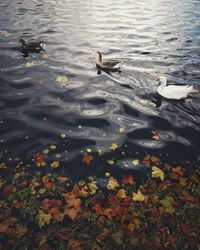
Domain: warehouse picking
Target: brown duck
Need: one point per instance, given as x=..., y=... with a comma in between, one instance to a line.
x=106, y=64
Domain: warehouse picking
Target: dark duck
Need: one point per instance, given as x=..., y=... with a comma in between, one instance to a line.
x=31, y=46
x=107, y=65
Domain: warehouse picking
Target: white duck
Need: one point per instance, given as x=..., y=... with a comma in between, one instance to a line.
x=175, y=92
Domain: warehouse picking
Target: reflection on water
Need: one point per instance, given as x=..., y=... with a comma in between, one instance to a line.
x=150, y=37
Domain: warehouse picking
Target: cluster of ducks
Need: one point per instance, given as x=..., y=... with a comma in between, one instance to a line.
x=175, y=92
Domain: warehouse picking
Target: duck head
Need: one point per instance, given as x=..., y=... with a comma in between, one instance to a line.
x=162, y=80
x=22, y=41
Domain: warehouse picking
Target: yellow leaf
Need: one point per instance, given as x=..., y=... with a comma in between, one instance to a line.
x=53, y=147
x=121, y=194
x=62, y=79
x=139, y=196
x=63, y=136
x=157, y=172
x=167, y=203
x=111, y=162
x=72, y=212
x=93, y=187
x=84, y=191
x=55, y=164
x=183, y=182
x=43, y=218
x=112, y=184
x=107, y=174
x=89, y=150
x=100, y=152
x=3, y=165
x=114, y=146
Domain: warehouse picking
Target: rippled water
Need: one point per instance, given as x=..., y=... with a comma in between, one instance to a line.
x=151, y=38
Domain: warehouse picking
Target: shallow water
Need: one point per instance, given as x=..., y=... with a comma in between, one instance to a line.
x=95, y=110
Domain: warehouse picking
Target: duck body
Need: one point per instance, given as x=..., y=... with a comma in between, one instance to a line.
x=31, y=46
x=174, y=92
x=106, y=64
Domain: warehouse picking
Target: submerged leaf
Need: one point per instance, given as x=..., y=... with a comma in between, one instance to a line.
x=62, y=79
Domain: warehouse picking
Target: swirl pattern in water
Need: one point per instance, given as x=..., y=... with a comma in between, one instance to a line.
x=152, y=38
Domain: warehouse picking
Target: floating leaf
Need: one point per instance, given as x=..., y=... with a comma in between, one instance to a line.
x=158, y=173
x=87, y=158
x=62, y=79
x=110, y=162
x=114, y=146
x=55, y=164
x=128, y=180
x=89, y=150
x=43, y=218
x=3, y=165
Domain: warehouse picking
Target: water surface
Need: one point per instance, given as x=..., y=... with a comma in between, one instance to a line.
x=152, y=38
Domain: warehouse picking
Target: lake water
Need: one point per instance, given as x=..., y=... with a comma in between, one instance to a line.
x=151, y=37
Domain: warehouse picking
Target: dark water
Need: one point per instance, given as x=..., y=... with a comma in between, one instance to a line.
x=151, y=38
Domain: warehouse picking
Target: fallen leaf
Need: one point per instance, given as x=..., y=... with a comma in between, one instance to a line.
x=158, y=173
x=139, y=196
x=128, y=180
x=121, y=194
x=114, y=146
x=43, y=218
x=110, y=162
x=112, y=184
x=87, y=158
x=55, y=164
x=93, y=187
x=167, y=203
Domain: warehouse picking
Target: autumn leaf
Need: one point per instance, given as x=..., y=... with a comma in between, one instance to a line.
x=167, y=203
x=72, y=200
x=139, y=196
x=121, y=194
x=93, y=187
x=74, y=245
x=110, y=162
x=55, y=164
x=112, y=184
x=155, y=136
x=128, y=180
x=43, y=218
x=87, y=158
x=114, y=146
x=62, y=80
x=158, y=173
x=72, y=212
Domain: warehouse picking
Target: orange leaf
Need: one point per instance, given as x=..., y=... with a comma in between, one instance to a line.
x=74, y=245
x=87, y=159
x=128, y=180
x=72, y=212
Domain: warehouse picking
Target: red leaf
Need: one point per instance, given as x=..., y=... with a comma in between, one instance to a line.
x=87, y=159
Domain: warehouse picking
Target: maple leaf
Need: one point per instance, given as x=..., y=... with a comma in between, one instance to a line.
x=139, y=196
x=158, y=173
x=74, y=245
x=55, y=164
x=112, y=184
x=43, y=218
x=62, y=80
x=93, y=187
x=56, y=214
x=72, y=212
x=121, y=194
x=87, y=158
x=84, y=191
x=72, y=200
x=114, y=146
x=98, y=209
x=110, y=162
x=167, y=203
x=128, y=180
